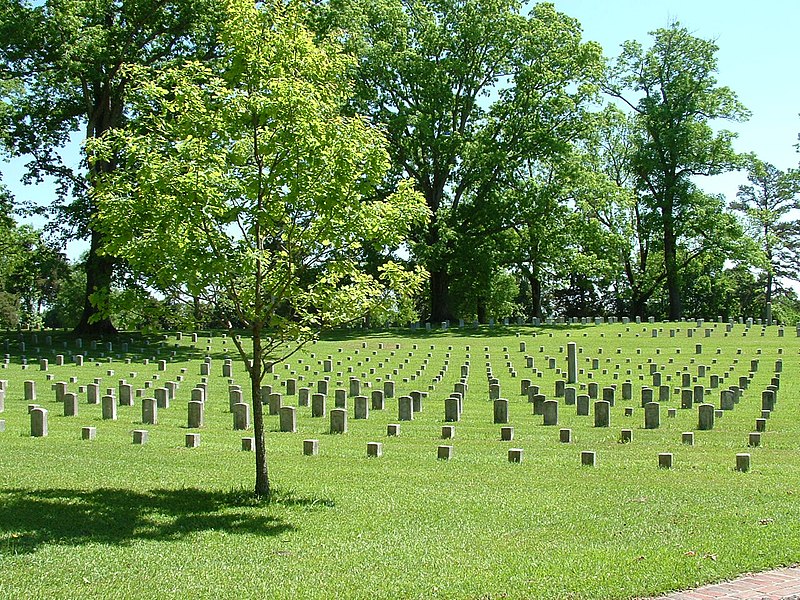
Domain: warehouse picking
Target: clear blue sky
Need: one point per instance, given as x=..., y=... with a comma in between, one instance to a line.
x=758, y=56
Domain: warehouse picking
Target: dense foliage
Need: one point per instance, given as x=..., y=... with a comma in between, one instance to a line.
x=558, y=184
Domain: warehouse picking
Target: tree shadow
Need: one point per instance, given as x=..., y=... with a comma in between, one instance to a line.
x=436, y=333
x=33, y=518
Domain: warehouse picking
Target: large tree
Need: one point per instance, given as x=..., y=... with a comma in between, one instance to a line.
x=246, y=186
x=672, y=89
x=466, y=90
x=65, y=57
x=768, y=203
x=632, y=223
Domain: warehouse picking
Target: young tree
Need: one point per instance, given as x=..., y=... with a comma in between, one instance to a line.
x=64, y=58
x=674, y=94
x=466, y=90
x=247, y=185
x=767, y=204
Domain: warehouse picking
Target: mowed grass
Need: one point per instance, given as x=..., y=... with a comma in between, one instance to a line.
x=107, y=518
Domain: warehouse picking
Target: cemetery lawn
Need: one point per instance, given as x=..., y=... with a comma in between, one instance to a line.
x=109, y=519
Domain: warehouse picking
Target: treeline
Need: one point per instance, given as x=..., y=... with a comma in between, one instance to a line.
x=559, y=182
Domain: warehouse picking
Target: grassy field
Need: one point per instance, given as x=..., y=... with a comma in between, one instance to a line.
x=109, y=519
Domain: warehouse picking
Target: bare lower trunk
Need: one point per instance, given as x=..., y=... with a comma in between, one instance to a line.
x=481, y=312
x=535, y=309
x=638, y=305
x=99, y=270
x=671, y=269
x=262, y=489
x=768, y=295
x=440, y=297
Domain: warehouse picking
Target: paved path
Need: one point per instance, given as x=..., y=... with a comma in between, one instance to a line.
x=780, y=584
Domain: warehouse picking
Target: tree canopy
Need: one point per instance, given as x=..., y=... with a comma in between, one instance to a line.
x=674, y=95
x=557, y=183
x=767, y=203
x=466, y=91
x=63, y=64
x=245, y=183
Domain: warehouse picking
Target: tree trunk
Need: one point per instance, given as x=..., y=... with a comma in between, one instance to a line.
x=262, y=489
x=638, y=305
x=770, y=281
x=106, y=113
x=196, y=311
x=536, y=297
x=671, y=267
x=440, y=296
x=480, y=309
x=99, y=270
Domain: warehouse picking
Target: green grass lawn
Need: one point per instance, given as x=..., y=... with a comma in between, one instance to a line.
x=109, y=519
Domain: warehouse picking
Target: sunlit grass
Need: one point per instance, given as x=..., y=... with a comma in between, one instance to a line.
x=107, y=518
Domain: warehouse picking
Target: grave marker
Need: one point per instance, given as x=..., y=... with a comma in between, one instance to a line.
x=570, y=395
x=609, y=394
x=705, y=414
x=602, y=413
x=241, y=416
x=161, y=395
x=109, y=408
x=444, y=452
x=727, y=399
x=374, y=449
x=687, y=398
x=318, y=405
x=743, y=462
x=500, y=411
x=572, y=362
x=515, y=455
x=275, y=403
x=196, y=414
x=652, y=415
x=361, y=407
x=60, y=388
x=768, y=400
x=288, y=419
x=125, y=394
x=338, y=420
x=38, y=422
x=70, y=405
x=550, y=412
x=377, y=400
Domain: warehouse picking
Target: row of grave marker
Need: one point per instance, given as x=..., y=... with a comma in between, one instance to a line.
x=375, y=449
